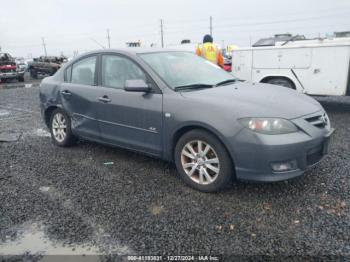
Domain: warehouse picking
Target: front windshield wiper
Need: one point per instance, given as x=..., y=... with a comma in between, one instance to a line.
x=232, y=80
x=193, y=86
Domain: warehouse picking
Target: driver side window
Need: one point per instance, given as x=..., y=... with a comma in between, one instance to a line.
x=117, y=69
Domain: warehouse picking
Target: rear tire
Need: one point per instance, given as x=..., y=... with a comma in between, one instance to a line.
x=209, y=167
x=281, y=82
x=20, y=79
x=60, y=128
x=33, y=73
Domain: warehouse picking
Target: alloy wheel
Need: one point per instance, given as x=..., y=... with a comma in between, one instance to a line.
x=200, y=162
x=59, y=127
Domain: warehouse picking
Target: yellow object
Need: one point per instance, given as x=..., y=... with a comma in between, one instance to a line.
x=230, y=48
x=210, y=52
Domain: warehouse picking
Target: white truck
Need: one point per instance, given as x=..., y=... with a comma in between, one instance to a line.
x=314, y=67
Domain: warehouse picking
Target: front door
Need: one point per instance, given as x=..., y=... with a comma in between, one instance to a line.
x=128, y=119
x=78, y=97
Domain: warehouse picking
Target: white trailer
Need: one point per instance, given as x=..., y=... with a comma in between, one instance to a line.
x=314, y=67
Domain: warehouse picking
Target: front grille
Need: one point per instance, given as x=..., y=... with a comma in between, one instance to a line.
x=7, y=70
x=319, y=121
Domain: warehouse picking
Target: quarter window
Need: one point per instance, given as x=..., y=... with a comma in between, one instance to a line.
x=116, y=70
x=83, y=71
x=68, y=74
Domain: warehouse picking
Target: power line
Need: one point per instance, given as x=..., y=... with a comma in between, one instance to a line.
x=278, y=21
x=284, y=14
x=253, y=24
x=97, y=43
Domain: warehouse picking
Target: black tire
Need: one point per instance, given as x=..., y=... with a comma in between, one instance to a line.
x=280, y=81
x=20, y=78
x=69, y=138
x=33, y=73
x=52, y=71
x=226, y=171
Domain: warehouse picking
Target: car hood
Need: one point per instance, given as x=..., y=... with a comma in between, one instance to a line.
x=256, y=100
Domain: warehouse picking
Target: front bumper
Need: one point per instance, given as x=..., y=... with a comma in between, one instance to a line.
x=11, y=75
x=255, y=153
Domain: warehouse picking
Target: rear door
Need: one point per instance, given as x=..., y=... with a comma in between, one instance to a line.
x=128, y=119
x=78, y=96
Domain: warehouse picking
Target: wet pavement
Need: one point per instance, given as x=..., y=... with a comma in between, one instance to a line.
x=29, y=82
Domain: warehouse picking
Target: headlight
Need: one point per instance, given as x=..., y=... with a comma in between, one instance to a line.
x=269, y=126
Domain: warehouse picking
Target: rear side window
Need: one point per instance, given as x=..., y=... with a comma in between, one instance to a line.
x=83, y=71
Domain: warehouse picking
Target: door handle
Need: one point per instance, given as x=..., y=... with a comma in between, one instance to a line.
x=104, y=99
x=66, y=93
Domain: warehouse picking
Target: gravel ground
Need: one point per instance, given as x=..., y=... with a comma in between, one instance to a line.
x=138, y=205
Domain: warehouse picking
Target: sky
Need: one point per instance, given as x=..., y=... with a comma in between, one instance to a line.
x=70, y=26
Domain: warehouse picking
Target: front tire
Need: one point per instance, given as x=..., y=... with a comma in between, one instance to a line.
x=60, y=128
x=203, y=162
x=281, y=82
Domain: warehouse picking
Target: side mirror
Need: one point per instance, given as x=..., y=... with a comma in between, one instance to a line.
x=137, y=85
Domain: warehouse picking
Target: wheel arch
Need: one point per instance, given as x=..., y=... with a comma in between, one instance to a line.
x=265, y=79
x=186, y=128
x=48, y=112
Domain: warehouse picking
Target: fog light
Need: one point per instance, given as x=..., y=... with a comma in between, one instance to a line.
x=284, y=166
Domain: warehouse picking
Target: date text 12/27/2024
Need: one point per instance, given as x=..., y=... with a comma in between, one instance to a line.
x=174, y=258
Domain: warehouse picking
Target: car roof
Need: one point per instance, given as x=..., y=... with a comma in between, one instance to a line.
x=134, y=50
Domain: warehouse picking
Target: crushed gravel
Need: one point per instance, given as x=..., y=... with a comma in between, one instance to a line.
x=138, y=205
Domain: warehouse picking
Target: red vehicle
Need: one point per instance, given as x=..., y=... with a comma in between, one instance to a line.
x=8, y=68
x=227, y=61
x=228, y=67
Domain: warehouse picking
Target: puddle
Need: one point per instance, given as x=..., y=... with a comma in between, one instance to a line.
x=4, y=112
x=9, y=136
x=44, y=188
x=18, y=85
x=42, y=132
x=156, y=210
x=32, y=239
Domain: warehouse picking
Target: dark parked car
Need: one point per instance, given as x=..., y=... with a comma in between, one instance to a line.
x=45, y=65
x=182, y=108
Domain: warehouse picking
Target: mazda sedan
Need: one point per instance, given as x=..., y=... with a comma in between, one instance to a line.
x=179, y=107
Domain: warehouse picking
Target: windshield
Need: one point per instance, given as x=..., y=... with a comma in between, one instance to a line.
x=184, y=68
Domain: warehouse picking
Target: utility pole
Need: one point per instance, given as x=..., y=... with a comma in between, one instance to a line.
x=44, y=45
x=211, y=26
x=161, y=32
x=97, y=43
x=109, y=39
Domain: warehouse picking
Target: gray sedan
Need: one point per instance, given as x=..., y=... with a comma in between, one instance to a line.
x=179, y=107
